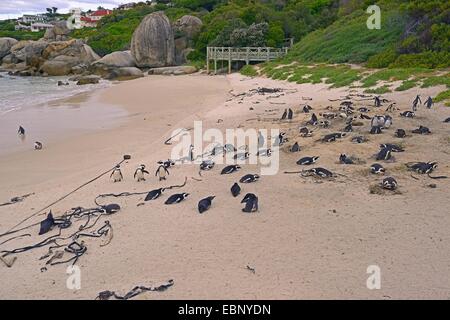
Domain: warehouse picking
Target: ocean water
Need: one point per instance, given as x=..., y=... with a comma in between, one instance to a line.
x=40, y=106
x=17, y=93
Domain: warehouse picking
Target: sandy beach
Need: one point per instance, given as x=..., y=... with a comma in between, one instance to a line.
x=310, y=239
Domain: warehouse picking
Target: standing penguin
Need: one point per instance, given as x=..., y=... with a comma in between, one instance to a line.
x=417, y=101
x=377, y=102
x=295, y=147
x=139, y=173
x=161, y=172
x=191, y=152
x=205, y=204
x=290, y=114
x=260, y=140
x=235, y=190
x=21, y=132
x=429, y=102
x=251, y=203
x=116, y=174
x=283, y=117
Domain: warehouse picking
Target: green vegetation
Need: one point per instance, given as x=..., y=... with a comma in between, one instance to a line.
x=380, y=90
x=7, y=30
x=249, y=71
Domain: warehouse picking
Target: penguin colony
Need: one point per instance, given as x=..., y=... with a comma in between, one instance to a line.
x=379, y=123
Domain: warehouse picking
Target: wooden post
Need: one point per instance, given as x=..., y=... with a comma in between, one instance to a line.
x=229, y=60
x=247, y=57
x=215, y=66
x=207, y=60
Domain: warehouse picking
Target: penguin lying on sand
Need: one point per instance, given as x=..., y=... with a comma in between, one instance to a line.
x=251, y=203
x=230, y=169
x=154, y=194
x=306, y=161
x=345, y=160
x=235, y=190
x=421, y=130
x=389, y=183
x=423, y=167
x=176, y=198
x=408, y=114
x=207, y=165
x=248, y=178
x=377, y=168
x=400, y=133
x=320, y=172
x=392, y=147
x=205, y=204
x=384, y=154
x=38, y=145
x=295, y=148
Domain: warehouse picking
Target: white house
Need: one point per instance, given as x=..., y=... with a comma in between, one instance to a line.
x=36, y=27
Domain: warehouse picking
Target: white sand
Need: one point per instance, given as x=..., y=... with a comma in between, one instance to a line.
x=309, y=240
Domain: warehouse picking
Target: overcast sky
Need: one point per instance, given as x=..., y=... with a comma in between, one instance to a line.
x=15, y=8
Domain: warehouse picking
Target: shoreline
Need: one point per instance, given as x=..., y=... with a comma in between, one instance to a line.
x=308, y=241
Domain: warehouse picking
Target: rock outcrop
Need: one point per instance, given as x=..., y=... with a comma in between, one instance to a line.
x=88, y=80
x=152, y=44
x=125, y=73
x=106, y=65
x=6, y=45
x=59, y=32
x=185, y=30
x=175, y=71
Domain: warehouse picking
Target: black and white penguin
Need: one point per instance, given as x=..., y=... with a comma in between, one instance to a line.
x=345, y=160
x=377, y=168
x=359, y=139
x=176, y=198
x=47, y=224
x=284, y=116
x=387, y=122
x=205, y=204
x=313, y=121
x=264, y=152
x=447, y=120
x=280, y=140
x=400, y=133
x=321, y=172
x=305, y=132
x=230, y=169
x=417, y=101
x=377, y=121
x=38, y=145
x=161, y=172
x=423, y=167
x=251, y=203
x=207, y=165
x=306, y=109
x=329, y=138
x=408, y=114
x=364, y=117
x=261, y=140
x=376, y=130
x=116, y=174
x=429, y=102
x=384, y=154
x=154, y=194
x=168, y=163
x=191, y=152
x=248, y=178
x=290, y=114
x=363, y=109
x=140, y=172
x=389, y=183
x=229, y=148
x=235, y=190
x=348, y=128
x=392, y=147
x=421, y=130
x=241, y=156
x=21, y=132
x=295, y=147
x=377, y=102
x=306, y=161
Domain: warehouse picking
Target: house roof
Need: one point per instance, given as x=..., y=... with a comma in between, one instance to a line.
x=103, y=12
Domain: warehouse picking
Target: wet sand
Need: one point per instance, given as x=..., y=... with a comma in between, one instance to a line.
x=308, y=240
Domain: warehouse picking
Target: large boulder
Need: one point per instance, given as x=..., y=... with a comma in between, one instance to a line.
x=175, y=71
x=185, y=30
x=152, y=44
x=118, y=59
x=125, y=73
x=59, y=32
x=88, y=80
x=5, y=46
x=56, y=68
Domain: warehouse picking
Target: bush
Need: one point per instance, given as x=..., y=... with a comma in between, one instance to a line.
x=249, y=71
x=429, y=60
x=382, y=59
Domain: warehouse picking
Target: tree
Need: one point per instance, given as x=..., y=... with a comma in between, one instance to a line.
x=54, y=9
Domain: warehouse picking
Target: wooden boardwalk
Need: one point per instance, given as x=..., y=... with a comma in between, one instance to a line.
x=246, y=54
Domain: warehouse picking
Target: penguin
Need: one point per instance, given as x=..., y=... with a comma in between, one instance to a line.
x=387, y=122
x=321, y=172
x=306, y=109
x=251, y=203
x=207, y=165
x=392, y=107
x=295, y=147
x=348, y=128
x=116, y=174
x=154, y=194
x=139, y=173
x=447, y=120
x=408, y=114
x=167, y=164
x=384, y=154
x=21, y=132
x=290, y=114
x=421, y=130
x=313, y=121
x=241, y=156
x=347, y=104
x=248, y=178
x=359, y=139
x=230, y=169
x=191, y=153
x=364, y=109
x=306, y=161
x=377, y=168
x=283, y=117
x=235, y=190
x=161, y=172
x=417, y=101
x=176, y=198
x=205, y=204
x=429, y=102
x=264, y=152
x=47, y=224
x=324, y=123
x=305, y=132
x=377, y=102
x=392, y=147
x=280, y=140
x=345, y=160
x=378, y=121
x=389, y=183
x=329, y=138
x=261, y=140
x=376, y=130
x=364, y=117
x=423, y=167
x=38, y=145
x=229, y=148
x=217, y=150
x=400, y=133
